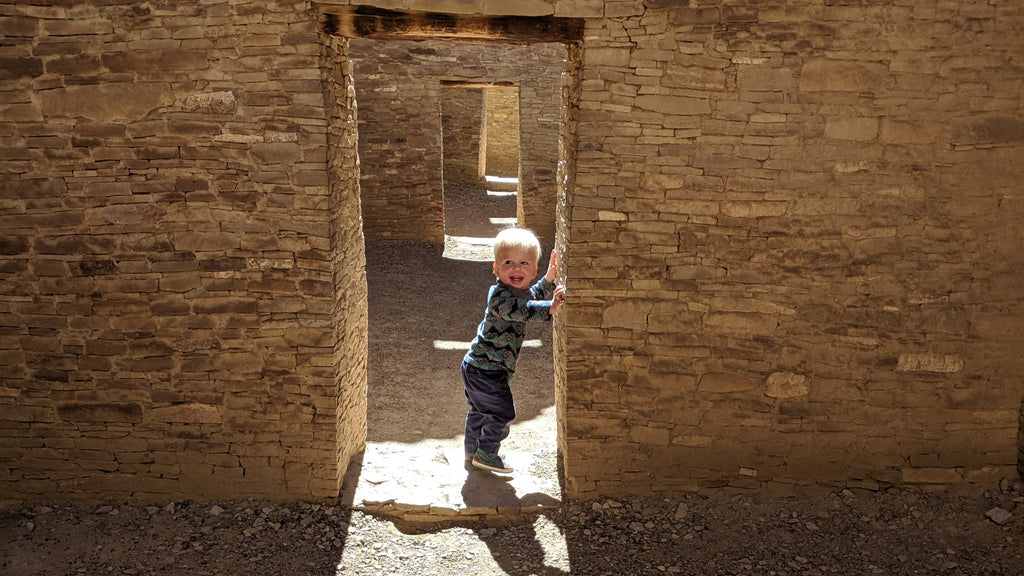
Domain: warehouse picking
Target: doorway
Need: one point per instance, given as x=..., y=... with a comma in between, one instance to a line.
x=415, y=405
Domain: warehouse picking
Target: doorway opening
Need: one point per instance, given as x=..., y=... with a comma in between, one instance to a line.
x=480, y=136
x=423, y=306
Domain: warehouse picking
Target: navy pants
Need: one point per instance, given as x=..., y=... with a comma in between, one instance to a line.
x=491, y=409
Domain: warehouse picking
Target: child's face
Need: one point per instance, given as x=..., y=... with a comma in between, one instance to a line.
x=517, y=268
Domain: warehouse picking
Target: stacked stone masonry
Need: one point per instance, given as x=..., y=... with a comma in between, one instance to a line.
x=462, y=108
x=792, y=236
x=402, y=87
x=502, y=119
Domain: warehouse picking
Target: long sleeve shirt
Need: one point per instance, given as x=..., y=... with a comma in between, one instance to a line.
x=500, y=335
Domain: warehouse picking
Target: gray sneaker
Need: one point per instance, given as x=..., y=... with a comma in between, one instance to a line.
x=493, y=462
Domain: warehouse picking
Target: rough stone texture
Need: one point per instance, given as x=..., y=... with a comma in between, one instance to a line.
x=501, y=107
x=400, y=86
x=826, y=200
x=345, y=403
x=183, y=298
x=462, y=110
x=750, y=193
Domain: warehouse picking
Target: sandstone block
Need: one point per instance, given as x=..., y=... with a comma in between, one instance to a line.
x=738, y=323
x=912, y=475
x=10, y=245
x=727, y=382
x=579, y=8
x=76, y=27
x=148, y=61
x=822, y=75
x=672, y=317
x=222, y=264
x=22, y=113
x=15, y=26
x=786, y=385
x=224, y=305
x=618, y=57
x=128, y=412
x=692, y=441
x=674, y=105
x=106, y=347
x=988, y=130
x=686, y=16
x=185, y=413
x=12, y=67
x=187, y=242
x=277, y=152
x=862, y=129
x=106, y=102
x=97, y=268
x=906, y=132
x=650, y=435
x=222, y=102
x=626, y=314
x=938, y=363
x=761, y=78
x=754, y=209
x=501, y=7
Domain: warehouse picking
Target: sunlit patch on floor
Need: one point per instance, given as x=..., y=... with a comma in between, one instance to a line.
x=430, y=477
x=459, y=345
x=469, y=248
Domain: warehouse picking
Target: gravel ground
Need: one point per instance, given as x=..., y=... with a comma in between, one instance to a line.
x=891, y=532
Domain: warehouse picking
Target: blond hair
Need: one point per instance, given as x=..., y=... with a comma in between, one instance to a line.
x=518, y=239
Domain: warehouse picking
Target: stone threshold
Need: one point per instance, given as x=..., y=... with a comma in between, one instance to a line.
x=430, y=482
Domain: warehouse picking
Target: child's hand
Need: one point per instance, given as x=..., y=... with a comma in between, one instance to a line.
x=552, y=267
x=558, y=301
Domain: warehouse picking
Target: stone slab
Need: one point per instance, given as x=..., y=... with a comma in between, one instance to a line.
x=430, y=481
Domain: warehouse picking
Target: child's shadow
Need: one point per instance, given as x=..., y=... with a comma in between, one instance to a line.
x=486, y=490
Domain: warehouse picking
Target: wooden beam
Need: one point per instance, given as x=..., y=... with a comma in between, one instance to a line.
x=374, y=23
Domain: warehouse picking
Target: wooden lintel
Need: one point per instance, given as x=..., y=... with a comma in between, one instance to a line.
x=473, y=84
x=380, y=24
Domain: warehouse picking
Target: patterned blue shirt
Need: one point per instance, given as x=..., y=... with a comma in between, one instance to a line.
x=500, y=336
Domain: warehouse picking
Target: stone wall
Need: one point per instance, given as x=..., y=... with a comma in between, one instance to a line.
x=795, y=247
x=347, y=329
x=182, y=293
x=501, y=108
x=399, y=84
x=792, y=236
x=461, y=120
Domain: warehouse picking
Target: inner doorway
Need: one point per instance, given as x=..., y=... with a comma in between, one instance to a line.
x=480, y=133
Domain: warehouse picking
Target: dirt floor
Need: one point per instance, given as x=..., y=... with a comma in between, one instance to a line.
x=425, y=302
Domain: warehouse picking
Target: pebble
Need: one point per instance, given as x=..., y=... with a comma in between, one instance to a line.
x=999, y=516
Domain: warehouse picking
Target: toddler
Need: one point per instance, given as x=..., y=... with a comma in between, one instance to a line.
x=490, y=365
